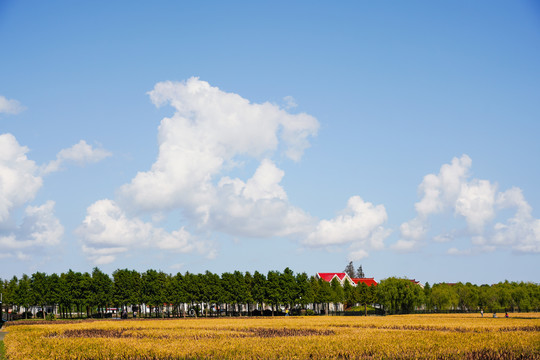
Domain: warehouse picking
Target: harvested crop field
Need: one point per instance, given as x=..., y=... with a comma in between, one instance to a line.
x=392, y=337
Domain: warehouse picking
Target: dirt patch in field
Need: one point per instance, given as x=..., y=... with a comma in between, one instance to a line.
x=271, y=332
x=240, y=333
x=534, y=328
x=95, y=333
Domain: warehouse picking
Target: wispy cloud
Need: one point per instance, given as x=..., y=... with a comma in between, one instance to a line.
x=290, y=102
x=80, y=154
x=8, y=106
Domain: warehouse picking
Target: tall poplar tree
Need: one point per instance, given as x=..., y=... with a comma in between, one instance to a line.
x=101, y=286
x=273, y=289
x=258, y=289
x=360, y=272
x=349, y=270
x=38, y=287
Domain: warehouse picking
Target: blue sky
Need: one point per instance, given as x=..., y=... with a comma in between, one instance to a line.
x=221, y=136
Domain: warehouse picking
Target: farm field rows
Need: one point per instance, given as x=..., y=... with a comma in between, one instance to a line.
x=456, y=336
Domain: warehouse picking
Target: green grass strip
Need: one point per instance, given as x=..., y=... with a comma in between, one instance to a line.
x=2, y=351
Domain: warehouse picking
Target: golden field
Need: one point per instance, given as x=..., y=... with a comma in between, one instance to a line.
x=459, y=336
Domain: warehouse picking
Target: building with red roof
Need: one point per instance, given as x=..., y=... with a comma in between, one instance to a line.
x=343, y=277
x=367, y=281
x=416, y=282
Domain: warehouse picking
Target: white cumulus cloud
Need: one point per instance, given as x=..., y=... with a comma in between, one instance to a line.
x=19, y=181
x=479, y=204
x=209, y=135
x=414, y=229
x=19, y=184
x=37, y=229
x=522, y=231
x=257, y=207
x=360, y=224
x=40, y=228
x=208, y=130
x=107, y=232
x=203, y=140
x=476, y=203
x=441, y=191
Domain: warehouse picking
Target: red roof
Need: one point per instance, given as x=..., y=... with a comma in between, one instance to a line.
x=367, y=281
x=329, y=276
x=416, y=282
x=341, y=277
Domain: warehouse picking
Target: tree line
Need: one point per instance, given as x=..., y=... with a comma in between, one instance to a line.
x=76, y=294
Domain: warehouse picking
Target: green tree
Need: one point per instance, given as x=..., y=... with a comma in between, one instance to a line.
x=11, y=296
x=74, y=281
x=399, y=295
x=315, y=290
x=126, y=288
x=534, y=295
x=39, y=290
x=337, y=292
x=520, y=297
x=192, y=290
x=305, y=293
x=154, y=290
x=467, y=296
x=101, y=287
x=248, y=279
x=414, y=297
x=503, y=294
x=258, y=289
x=65, y=300
x=363, y=295
x=228, y=282
x=242, y=293
x=442, y=296
x=22, y=294
x=372, y=296
x=87, y=294
x=324, y=295
x=348, y=294
x=487, y=298
x=55, y=294
x=238, y=291
x=427, y=296
x=288, y=287
x=273, y=290
x=178, y=292
x=213, y=288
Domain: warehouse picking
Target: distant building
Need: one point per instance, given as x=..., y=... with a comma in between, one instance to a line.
x=367, y=281
x=414, y=281
x=343, y=277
